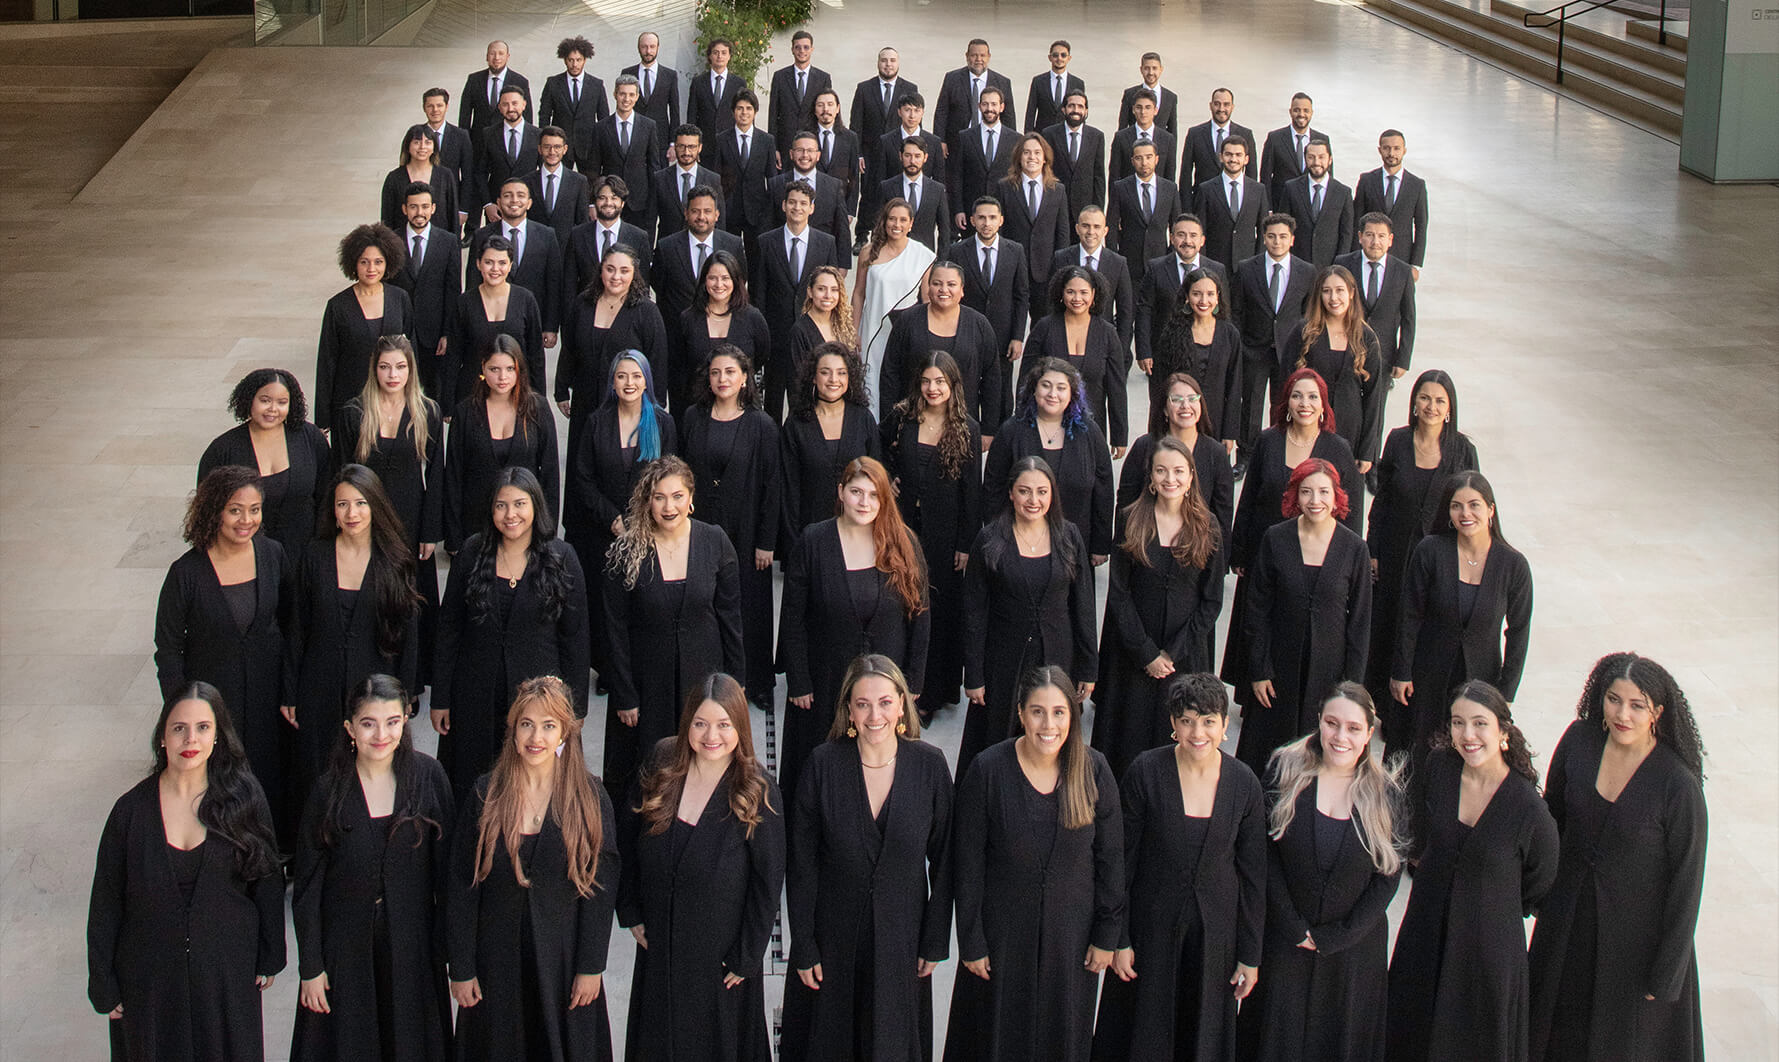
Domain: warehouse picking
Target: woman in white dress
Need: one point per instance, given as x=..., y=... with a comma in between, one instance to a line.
x=892, y=274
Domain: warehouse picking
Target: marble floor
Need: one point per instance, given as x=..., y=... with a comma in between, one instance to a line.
x=1613, y=325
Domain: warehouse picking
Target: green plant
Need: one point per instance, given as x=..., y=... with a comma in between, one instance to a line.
x=748, y=32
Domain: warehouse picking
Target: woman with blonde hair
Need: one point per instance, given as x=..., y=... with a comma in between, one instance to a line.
x=826, y=318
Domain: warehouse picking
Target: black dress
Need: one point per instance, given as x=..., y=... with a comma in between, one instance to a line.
x=1020, y=613
x=973, y=346
x=1102, y=368
x=474, y=457
x=526, y=945
x=524, y=321
x=1210, y=467
x=706, y=896
x=1357, y=404
x=294, y=498
x=1217, y=366
x=1618, y=925
x=1169, y=606
x=868, y=898
x=1197, y=906
x=833, y=615
x=747, y=332
x=1083, y=469
x=1031, y=898
x=813, y=464
x=583, y=378
x=369, y=914
x=1458, y=977
x=349, y=341
x=1325, y=1005
x=444, y=196
x=178, y=939
x=805, y=336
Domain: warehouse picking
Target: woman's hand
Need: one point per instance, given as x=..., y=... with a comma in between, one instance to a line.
x=1101, y=558
x=1263, y=692
x=630, y=716
x=117, y=1013
x=1308, y=943
x=730, y=980
x=1097, y=959
x=1239, y=572
x=441, y=720
x=805, y=702
x=642, y=940
x=1124, y=964
x=811, y=978
x=466, y=993
x=762, y=559
x=1244, y=979
x=923, y=968
x=977, y=695
x=1229, y=444
x=960, y=561
x=1160, y=667
x=1117, y=452
x=1374, y=569
x=1083, y=690
x=263, y=981
x=979, y=967
x=1147, y=365
x=288, y=711
x=584, y=990
x=312, y=994
x=565, y=405
x=1402, y=691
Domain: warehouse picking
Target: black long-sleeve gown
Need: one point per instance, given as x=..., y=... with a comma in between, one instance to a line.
x=1217, y=366
x=1083, y=469
x=705, y=896
x=444, y=197
x=1031, y=897
x=1196, y=906
x=375, y=898
x=292, y=499
x=349, y=341
x=979, y=361
x=748, y=332
x=583, y=378
x=524, y=321
x=868, y=898
x=1618, y=924
x=1459, y=976
x=1102, y=368
x=830, y=616
x=812, y=466
x=474, y=457
x=1211, y=467
x=1325, y=1005
x=525, y=946
x=182, y=969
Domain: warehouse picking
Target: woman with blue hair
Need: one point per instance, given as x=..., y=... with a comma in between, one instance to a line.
x=1052, y=421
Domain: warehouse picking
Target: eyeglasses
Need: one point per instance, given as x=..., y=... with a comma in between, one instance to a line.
x=1182, y=400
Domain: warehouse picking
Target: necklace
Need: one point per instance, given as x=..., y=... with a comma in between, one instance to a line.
x=885, y=763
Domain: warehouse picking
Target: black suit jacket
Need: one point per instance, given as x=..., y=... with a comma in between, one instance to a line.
x=1199, y=160
x=1125, y=139
x=1392, y=314
x=539, y=269
x=1278, y=159
x=1262, y=328
x=971, y=175
x=636, y=167
x=1158, y=293
x=1128, y=232
x=745, y=198
x=433, y=284
x=457, y=153
x=932, y=215
x=578, y=122
x=1167, y=110
x=494, y=165
x=1007, y=302
x=714, y=116
x=1320, y=237
x=1117, y=301
x=842, y=163
x=955, y=111
x=1408, y=218
x=1085, y=177
x=786, y=114
x=572, y=201
x=662, y=104
x=1231, y=238
x=1041, y=234
x=870, y=118
x=674, y=276
x=772, y=288
x=670, y=210
x=1041, y=107
x=830, y=209
x=580, y=256
x=473, y=107
x=885, y=161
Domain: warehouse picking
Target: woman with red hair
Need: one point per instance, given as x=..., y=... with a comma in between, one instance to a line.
x=1308, y=621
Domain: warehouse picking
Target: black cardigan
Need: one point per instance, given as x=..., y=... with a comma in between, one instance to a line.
x=999, y=624
x=293, y=523
x=974, y=348
x=600, y=477
x=470, y=465
x=820, y=631
x=348, y=341
x=1432, y=636
x=745, y=501
x=1083, y=469
x=811, y=478
x=1210, y=462
x=945, y=513
x=696, y=641
x=1102, y=368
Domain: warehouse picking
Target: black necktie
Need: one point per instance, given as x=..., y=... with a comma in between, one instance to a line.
x=888, y=86
x=703, y=253
x=607, y=241
x=550, y=193
x=1315, y=200
x=1032, y=198
x=513, y=234
x=513, y=144
x=493, y=89
x=717, y=87
x=1058, y=89
x=419, y=252
x=744, y=140
x=1221, y=133
x=1370, y=285
x=648, y=82
x=624, y=137
x=1390, y=193
x=988, y=267
x=800, y=85
x=1075, y=146
x=827, y=148
x=1148, y=201
x=913, y=198
x=1093, y=262
x=574, y=92
x=685, y=186
x=796, y=258
x=1235, y=198
x=1276, y=289
x=989, y=151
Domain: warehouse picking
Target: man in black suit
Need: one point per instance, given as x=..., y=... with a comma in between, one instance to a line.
x=959, y=97
x=456, y=152
x=658, y=85
x=433, y=278
x=828, y=208
x=837, y=152
x=1090, y=252
x=1392, y=190
x=507, y=148
x=875, y=101
x=1167, y=102
x=747, y=160
x=929, y=198
x=793, y=95
x=574, y=100
x=1141, y=205
x=1043, y=104
x=998, y=285
x=1268, y=294
x=980, y=156
x=679, y=259
x=1232, y=205
x=1035, y=216
x=560, y=197
x=480, y=102
x=711, y=103
x=778, y=278
x=1202, y=158
x=884, y=160
x=1322, y=206
x=672, y=192
x=1387, y=290
x=628, y=144
x=1079, y=151
x=1145, y=130
x=589, y=242
x=1164, y=279
x=1281, y=159
x=537, y=256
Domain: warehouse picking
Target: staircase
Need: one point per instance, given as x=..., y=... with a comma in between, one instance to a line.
x=1613, y=62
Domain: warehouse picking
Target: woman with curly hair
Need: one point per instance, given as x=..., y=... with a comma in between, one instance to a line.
x=933, y=449
x=830, y=426
x=1614, y=975
x=892, y=271
x=358, y=316
x=720, y=314
x=502, y=423
x=826, y=318
x=494, y=306
x=224, y=609
x=420, y=163
x=290, y=454
x=672, y=611
x=1485, y=849
x=1052, y=422
x=703, y=839
x=1199, y=339
x=943, y=323
x=1074, y=333
x=1334, y=340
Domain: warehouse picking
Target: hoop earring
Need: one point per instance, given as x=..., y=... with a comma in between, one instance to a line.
x=1323, y=419
x=901, y=727
x=852, y=731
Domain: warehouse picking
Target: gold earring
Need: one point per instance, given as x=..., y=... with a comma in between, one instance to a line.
x=1504, y=746
x=852, y=731
x=901, y=727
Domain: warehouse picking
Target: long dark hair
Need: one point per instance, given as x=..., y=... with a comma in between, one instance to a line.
x=1518, y=753
x=662, y=785
x=749, y=396
x=737, y=276
x=1451, y=440
x=803, y=400
x=1199, y=534
x=1476, y=481
x=233, y=806
x=414, y=803
x=1060, y=542
x=956, y=441
x=390, y=574
x=526, y=407
x=1676, y=728
x=1075, y=416
x=1078, y=792
x=552, y=573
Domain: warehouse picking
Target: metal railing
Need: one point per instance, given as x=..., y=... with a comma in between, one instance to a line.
x=1560, y=15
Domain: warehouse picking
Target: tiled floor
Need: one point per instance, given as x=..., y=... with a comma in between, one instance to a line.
x=1611, y=323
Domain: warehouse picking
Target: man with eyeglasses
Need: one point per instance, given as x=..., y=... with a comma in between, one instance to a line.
x=1043, y=105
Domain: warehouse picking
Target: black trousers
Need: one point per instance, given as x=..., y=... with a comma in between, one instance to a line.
x=1258, y=364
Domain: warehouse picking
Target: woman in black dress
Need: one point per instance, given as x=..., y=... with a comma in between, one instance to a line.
x=1052, y=423
x=1038, y=871
x=1180, y=414
x=719, y=315
x=934, y=450
x=369, y=893
x=826, y=318
x=493, y=307
x=830, y=426
x=1334, y=340
x=1073, y=332
x=1486, y=854
x=290, y=454
x=672, y=601
x=1332, y=868
x=419, y=163
x=223, y=611
x=1028, y=601
x=356, y=615
x=1614, y=975
x=1411, y=477
x=358, y=316
x=185, y=930
x=533, y=882
x=704, y=860
x=856, y=583
x=943, y=323
x=869, y=880
x=1195, y=870
x=731, y=446
x=502, y=424
x=1308, y=623
x=1161, y=610
x=515, y=608
x=1199, y=340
